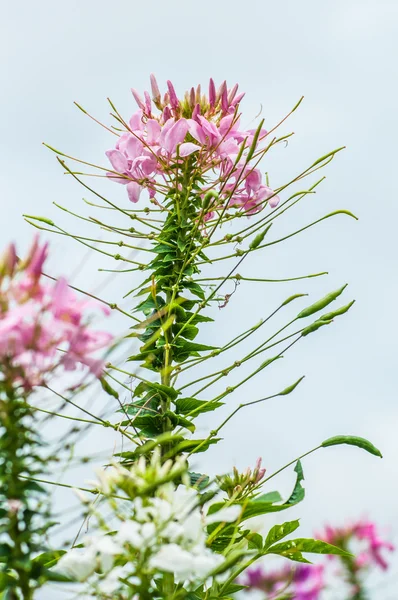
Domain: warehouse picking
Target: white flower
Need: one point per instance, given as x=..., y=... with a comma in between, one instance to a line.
x=229, y=514
x=129, y=532
x=77, y=564
x=111, y=583
x=173, y=559
x=205, y=563
x=104, y=548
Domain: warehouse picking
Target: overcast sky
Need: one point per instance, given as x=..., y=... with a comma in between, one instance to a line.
x=342, y=56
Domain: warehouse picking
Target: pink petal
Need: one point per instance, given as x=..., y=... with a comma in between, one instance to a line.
x=175, y=135
x=188, y=148
x=117, y=160
x=136, y=121
x=134, y=190
x=153, y=131
x=134, y=147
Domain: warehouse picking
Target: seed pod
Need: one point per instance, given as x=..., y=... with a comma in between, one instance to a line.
x=254, y=142
x=211, y=194
x=352, y=440
x=290, y=388
x=310, y=310
x=336, y=313
x=314, y=326
x=259, y=238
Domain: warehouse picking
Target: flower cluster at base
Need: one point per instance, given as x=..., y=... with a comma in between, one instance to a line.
x=158, y=534
x=43, y=325
x=199, y=134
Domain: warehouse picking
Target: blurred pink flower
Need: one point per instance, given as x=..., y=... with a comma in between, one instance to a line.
x=44, y=325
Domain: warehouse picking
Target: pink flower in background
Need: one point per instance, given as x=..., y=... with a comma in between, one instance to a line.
x=305, y=582
x=365, y=532
x=43, y=325
x=202, y=129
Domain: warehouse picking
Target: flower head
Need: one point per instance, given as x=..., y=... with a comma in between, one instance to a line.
x=202, y=130
x=43, y=325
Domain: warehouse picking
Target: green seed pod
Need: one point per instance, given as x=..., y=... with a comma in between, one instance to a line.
x=254, y=142
x=259, y=237
x=108, y=388
x=352, y=440
x=211, y=194
x=314, y=326
x=290, y=388
x=41, y=219
x=291, y=298
x=336, y=313
x=310, y=310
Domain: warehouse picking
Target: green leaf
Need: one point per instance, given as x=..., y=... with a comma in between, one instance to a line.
x=192, y=446
x=298, y=492
x=164, y=390
x=199, y=480
x=195, y=289
x=188, y=405
x=187, y=331
x=352, y=440
x=177, y=420
x=193, y=346
x=292, y=547
x=255, y=541
x=278, y=532
x=199, y=319
x=320, y=304
x=270, y=497
x=49, y=559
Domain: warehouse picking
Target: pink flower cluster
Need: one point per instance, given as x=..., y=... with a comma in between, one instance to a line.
x=42, y=324
x=202, y=129
x=364, y=532
x=306, y=582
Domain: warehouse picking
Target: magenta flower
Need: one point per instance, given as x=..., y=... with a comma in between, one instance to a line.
x=43, y=325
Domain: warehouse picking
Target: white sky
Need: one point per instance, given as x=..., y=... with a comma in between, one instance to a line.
x=341, y=56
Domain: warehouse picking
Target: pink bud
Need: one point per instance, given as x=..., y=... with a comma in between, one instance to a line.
x=196, y=111
x=148, y=104
x=138, y=98
x=155, y=89
x=220, y=91
x=224, y=99
x=237, y=99
x=232, y=93
x=212, y=93
x=198, y=94
x=192, y=97
x=173, y=96
x=9, y=261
